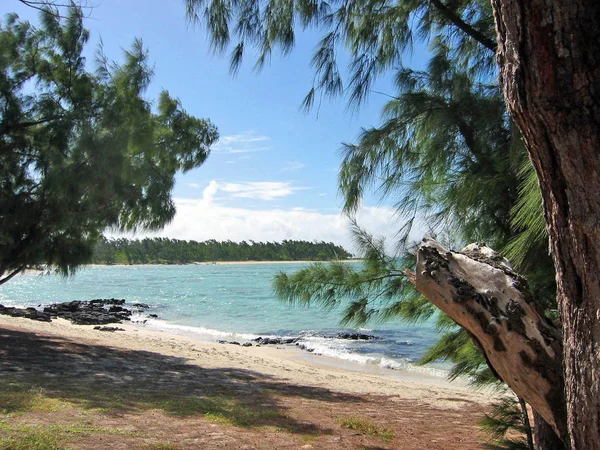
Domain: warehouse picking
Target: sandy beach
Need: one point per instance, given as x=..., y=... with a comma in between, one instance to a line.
x=205, y=263
x=237, y=263
x=149, y=389
x=225, y=263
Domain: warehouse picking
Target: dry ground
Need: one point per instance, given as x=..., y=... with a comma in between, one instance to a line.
x=58, y=392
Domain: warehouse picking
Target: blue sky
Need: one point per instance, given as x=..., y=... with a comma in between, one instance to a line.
x=273, y=174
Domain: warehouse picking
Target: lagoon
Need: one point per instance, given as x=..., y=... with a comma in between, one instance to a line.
x=232, y=302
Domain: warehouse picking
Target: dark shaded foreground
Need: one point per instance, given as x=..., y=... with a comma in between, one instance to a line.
x=80, y=395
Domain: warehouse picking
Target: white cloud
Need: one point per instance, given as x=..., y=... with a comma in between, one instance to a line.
x=259, y=190
x=205, y=218
x=236, y=138
x=208, y=194
x=292, y=166
x=241, y=143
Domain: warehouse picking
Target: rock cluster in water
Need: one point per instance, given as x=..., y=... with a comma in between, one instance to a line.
x=275, y=341
x=92, y=312
x=357, y=336
x=297, y=340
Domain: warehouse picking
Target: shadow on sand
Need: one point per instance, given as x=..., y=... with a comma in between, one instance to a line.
x=121, y=381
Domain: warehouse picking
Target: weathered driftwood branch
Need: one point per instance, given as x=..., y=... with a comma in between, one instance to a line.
x=480, y=291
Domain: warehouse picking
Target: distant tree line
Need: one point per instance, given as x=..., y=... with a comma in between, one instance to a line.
x=174, y=251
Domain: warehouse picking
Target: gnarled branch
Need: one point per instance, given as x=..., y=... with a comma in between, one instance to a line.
x=480, y=291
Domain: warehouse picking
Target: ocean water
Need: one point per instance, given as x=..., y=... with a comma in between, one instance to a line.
x=232, y=302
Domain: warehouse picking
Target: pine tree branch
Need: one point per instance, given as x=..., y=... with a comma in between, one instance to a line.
x=52, y=7
x=464, y=26
x=12, y=274
x=19, y=126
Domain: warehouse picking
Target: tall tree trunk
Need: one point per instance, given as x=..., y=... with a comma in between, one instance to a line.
x=549, y=55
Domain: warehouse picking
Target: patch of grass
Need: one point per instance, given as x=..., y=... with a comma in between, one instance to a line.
x=222, y=410
x=57, y=430
x=309, y=437
x=191, y=406
x=272, y=428
x=366, y=427
x=24, y=437
x=89, y=429
x=220, y=419
x=17, y=400
x=34, y=440
x=106, y=405
x=17, y=397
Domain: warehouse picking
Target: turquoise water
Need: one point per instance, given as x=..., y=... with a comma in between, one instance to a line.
x=230, y=302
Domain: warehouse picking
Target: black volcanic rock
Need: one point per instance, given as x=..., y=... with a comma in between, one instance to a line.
x=356, y=336
x=93, y=312
x=28, y=313
x=111, y=329
x=275, y=341
x=140, y=306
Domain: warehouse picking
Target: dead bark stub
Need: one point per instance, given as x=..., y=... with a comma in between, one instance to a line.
x=486, y=297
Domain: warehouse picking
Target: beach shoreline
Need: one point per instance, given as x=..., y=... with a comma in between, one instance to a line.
x=279, y=361
x=33, y=271
x=225, y=263
x=197, y=263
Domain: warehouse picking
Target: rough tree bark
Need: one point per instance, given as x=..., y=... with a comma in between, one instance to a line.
x=550, y=71
x=545, y=437
x=480, y=291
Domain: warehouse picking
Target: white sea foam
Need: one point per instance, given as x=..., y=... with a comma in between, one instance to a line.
x=200, y=332
x=341, y=349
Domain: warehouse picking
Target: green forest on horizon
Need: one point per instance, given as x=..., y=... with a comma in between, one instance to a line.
x=175, y=251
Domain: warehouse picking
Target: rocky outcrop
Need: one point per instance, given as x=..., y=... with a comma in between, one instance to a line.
x=275, y=341
x=92, y=312
x=357, y=336
x=28, y=313
x=259, y=341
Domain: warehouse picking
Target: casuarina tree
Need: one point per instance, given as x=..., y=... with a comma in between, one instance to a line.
x=82, y=151
x=548, y=65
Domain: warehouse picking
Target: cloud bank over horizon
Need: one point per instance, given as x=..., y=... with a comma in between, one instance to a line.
x=209, y=217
